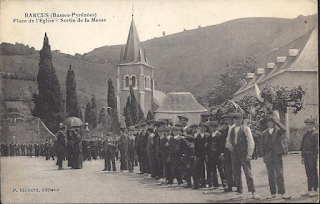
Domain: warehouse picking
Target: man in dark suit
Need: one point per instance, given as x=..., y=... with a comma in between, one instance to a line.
x=61, y=145
x=225, y=154
x=200, y=152
x=165, y=151
x=272, y=150
x=122, y=143
x=36, y=149
x=215, y=160
x=309, y=156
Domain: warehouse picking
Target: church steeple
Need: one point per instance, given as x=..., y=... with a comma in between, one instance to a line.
x=132, y=50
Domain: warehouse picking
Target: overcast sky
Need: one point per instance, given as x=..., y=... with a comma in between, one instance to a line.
x=151, y=18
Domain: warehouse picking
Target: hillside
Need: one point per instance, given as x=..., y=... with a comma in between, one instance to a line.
x=192, y=60
x=188, y=61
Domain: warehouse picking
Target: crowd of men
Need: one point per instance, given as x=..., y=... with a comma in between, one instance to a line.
x=29, y=149
x=193, y=155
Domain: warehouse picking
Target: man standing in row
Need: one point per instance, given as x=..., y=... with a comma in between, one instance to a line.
x=309, y=156
x=61, y=145
x=122, y=144
x=272, y=150
x=240, y=142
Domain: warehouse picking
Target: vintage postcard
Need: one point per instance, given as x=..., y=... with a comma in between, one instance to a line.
x=180, y=101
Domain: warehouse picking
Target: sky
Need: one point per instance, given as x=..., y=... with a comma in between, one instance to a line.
x=151, y=18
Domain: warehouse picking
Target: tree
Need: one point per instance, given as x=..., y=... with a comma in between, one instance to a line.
x=72, y=106
x=113, y=111
x=230, y=81
x=150, y=116
x=104, y=120
x=49, y=103
x=88, y=114
x=132, y=111
x=94, y=112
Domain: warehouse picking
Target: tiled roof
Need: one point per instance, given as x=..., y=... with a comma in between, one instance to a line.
x=180, y=102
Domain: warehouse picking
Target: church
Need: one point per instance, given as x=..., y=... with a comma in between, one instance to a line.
x=134, y=70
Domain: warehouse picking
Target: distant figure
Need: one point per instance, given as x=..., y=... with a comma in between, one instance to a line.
x=12, y=149
x=36, y=149
x=111, y=155
x=23, y=149
x=61, y=146
x=130, y=149
x=77, y=148
x=17, y=149
x=30, y=149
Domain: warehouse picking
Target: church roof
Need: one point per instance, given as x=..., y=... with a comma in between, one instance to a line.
x=305, y=59
x=133, y=53
x=180, y=102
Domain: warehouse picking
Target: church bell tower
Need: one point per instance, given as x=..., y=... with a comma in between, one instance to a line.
x=134, y=70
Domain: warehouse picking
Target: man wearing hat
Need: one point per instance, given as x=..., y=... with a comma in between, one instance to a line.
x=143, y=148
x=61, y=145
x=138, y=142
x=240, y=142
x=183, y=121
x=165, y=151
x=131, y=149
x=205, y=117
x=159, y=135
x=225, y=154
x=309, y=156
x=200, y=152
x=175, y=156
x=122, y=143
x=214, y=160
x=151, y=147
x=272, y=150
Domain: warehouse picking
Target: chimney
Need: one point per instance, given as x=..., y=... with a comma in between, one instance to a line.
x=260, y=71
x=249, y=77
x=281, y=59
x=269, y=68
x=293, y=52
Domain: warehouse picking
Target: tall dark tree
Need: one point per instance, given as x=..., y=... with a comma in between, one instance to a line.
x=94, y=112
x=72, y=106
x=49, y=103
x=132, y=111
x=113, y=111
x=150, y=115
x=127, y=113
x=104, y=120
x=80, y=114
x=88, y=114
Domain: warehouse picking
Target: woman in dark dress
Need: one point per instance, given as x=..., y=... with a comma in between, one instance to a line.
x=77, y=148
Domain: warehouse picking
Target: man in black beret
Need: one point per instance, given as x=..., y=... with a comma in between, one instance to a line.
x=309, y=156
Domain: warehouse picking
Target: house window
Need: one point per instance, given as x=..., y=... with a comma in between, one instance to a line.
x=149, y=83
x=127, y=81
x=133, y=81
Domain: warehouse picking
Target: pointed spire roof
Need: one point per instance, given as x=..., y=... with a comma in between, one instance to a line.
x=132, y=50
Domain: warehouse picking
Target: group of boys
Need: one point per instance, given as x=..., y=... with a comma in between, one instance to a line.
x=196, y=152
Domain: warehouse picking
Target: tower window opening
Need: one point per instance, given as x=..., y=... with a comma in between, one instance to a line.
x=127, y=81
x=133, y=81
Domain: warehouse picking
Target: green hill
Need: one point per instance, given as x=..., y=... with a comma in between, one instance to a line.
x=188, y=61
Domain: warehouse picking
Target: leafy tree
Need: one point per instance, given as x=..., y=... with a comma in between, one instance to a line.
x=230, y=81
x=94, y=112
x=104, y=120
x=72, y=105
x=113, y=111
x=49, y=103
